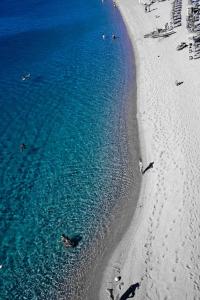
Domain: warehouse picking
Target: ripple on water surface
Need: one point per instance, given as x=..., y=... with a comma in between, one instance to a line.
x=71, y=115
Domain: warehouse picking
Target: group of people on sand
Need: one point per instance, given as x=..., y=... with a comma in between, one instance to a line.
x=147, y=6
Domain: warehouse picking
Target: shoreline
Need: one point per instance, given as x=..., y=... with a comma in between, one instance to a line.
x=127, y=203
x=159, y=250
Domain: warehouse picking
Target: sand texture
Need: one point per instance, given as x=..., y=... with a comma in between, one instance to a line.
x=160, y=250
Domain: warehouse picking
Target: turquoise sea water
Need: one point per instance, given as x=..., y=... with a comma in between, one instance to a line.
x=71, y=114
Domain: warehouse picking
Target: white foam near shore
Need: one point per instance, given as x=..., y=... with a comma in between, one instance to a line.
x=160, y=249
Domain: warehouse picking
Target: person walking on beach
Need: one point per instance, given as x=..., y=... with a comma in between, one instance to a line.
x=150, y=166
x=130, y=293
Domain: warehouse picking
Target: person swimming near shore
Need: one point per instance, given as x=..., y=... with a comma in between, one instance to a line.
x=67, y=242
x=22, y=147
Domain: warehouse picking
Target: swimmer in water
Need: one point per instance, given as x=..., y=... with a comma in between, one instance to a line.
x=26, y=77
x=66, y=241
x=22, y=147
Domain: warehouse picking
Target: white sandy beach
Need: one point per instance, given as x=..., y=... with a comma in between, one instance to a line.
x=161, y=248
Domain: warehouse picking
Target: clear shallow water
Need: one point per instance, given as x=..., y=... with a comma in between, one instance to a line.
x=71, y=115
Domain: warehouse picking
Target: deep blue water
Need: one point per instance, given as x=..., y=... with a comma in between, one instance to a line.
x=70, y=114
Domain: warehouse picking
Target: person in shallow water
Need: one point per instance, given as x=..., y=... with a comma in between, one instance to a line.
x=22, y=147
x=67, y=242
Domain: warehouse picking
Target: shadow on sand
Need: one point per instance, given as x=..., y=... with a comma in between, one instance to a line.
x=130, y=293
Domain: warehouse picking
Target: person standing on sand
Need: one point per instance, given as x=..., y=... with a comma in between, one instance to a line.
x=110, y=291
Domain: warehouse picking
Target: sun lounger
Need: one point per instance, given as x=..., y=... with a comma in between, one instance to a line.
x=148, y=35
x=177, y=18
x=177, y=25
x=177, y=21
x=166, y=34
x=181, y=46
x=196, y=38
